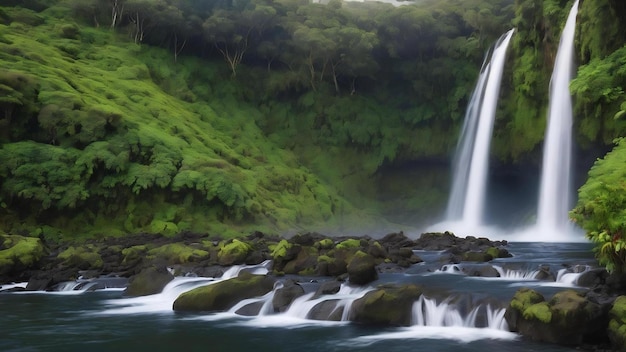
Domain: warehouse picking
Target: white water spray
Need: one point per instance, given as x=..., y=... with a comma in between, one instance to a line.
x=554, y=195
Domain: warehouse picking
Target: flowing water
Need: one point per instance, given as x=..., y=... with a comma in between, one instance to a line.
x=555, y=189
x=458, y=311
x=469, y=185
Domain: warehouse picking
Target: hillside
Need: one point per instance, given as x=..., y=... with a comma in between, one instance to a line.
x=334, y=118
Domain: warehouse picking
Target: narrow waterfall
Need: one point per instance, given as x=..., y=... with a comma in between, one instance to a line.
x=554, y=194
x=467, y=198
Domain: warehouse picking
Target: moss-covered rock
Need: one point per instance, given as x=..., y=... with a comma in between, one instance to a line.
x=85, y=257
x=325, y=243
x=617, y=324
x=178, y=253
x=386, y=306
x=362, y=269
x=567, y=319
x=349, y=244
x=18, y=253
x=233, y=253
x=225, y=294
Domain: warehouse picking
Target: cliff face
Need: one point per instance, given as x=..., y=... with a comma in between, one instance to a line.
x=274, y=116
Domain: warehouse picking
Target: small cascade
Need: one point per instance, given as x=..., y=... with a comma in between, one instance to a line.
x=259, y=269
x=160, y=302
x=427, y=312
x=75, y=287
x=467, y=197
x=514, y=274
x=450, y=269
x=13, y=286
x=554, y=193
x=570, y=276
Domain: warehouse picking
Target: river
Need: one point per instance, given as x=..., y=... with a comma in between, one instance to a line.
x=105, y=320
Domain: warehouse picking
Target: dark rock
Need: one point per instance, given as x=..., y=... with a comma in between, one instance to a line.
x=307, y=239
x=545, y=274
x=483, y=270
x=326, y=310
x=477, y=257
x=284, y=296
x=250, y=310
x=148, y=282
x=396, y=240
x=41, y=284
x=592, y=277
x=304, y=263
x=328, y=288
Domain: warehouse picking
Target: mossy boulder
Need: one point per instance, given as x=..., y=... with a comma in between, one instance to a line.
x=386, y=306
x=225, y=294
x=233, y=253
x=283, y=252
x=617, y=324
x=349, y=243
x=476, y=257
x=362, y=269
x=325, y=243
x=329, y=265
x=85, y=257
x=149, y=281
x=178, y=253
x=567, y=319
x=18, y=253
x=304, y=263
x=134, y=254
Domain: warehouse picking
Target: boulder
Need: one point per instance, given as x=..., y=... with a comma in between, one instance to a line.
x=149, y=281
x=18, y=253
x=567, y=319
x=330, y=265
x=391, y=305
x=225, y=294
x=180, y=253
x=617, y=324
x=328, y=288
x=326, y=310
x=284, y=296
x=592, y=277
x=84, y=257
x=362, y=269
x=304, y=263
x=233, y=253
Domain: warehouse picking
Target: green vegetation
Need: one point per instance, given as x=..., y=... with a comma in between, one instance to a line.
x=601, y=208
x=19, y=252
x=223, y=117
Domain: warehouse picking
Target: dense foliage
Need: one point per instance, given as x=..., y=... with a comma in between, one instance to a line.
x=121, y=116
x=600, y=105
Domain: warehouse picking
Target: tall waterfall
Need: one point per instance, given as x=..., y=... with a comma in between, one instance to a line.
x=554, y=194
x=467, y=198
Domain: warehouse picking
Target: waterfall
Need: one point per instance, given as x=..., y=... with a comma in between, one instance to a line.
x=511, y=274
x=427, y=312
x=554, y=195
x=469, y=184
